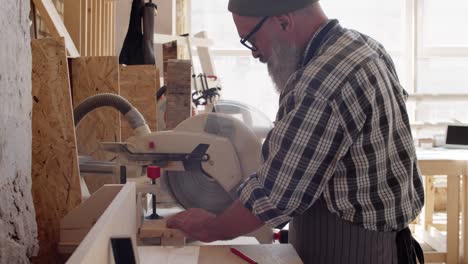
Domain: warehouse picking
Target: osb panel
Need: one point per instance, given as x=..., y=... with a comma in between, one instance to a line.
x=56, y=187
x=91, y=76
x=139, y=84
x=179, y=101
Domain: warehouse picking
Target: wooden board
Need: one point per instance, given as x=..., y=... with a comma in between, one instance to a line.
x=55, y=179
x=158, y=229
x=117, y=220
x=90, y=76
x=139, y=84
x=179, y=99
x=263, y=254
x=55, y=24
x=169, y=53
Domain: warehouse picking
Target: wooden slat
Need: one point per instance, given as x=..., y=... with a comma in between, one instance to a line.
x=72, y=19
x=106, y=28
x=90, y=76
x=179, y=100
x=139, y=84
x=55, y=24
x=429, y=201
x=113, y=22
x=100, y=27
x=95, y=28
x=55, y=179
x=84, y=28
x=453, y=192
x=464, y=218
x=90, y=29
x=204, y=54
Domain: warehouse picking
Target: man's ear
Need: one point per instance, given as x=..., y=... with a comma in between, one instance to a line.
x=285, y=22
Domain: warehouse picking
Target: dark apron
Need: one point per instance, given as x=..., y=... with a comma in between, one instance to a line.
x=322, y=237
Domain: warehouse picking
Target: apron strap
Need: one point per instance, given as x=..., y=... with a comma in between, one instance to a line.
x=408, y=249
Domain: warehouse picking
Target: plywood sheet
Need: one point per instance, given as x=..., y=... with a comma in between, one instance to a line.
x=55, y=188
x=179, y=100
x=91, y=76
x=139, y=84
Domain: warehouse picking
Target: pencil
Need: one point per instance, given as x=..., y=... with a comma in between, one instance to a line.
x=243, y=256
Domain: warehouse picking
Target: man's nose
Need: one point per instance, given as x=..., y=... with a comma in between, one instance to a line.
x=255, y=54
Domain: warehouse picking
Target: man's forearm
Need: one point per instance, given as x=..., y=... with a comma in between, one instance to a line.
x=234, y=221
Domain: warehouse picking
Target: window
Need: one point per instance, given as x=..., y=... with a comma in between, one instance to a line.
x=426, y=39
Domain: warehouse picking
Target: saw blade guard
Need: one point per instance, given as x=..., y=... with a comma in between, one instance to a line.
x=213, y=189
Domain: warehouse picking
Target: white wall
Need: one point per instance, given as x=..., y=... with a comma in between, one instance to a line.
x=18, y=230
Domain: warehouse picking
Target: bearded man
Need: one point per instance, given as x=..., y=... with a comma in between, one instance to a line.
x=340, y=163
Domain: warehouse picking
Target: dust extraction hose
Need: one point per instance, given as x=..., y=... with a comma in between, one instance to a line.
x=133, y=116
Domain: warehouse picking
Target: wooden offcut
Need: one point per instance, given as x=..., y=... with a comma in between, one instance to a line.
x=179, y=100
x=55, y=178
x=169, y=53
x=139, y=84
x=91, y=76
x=156, y=229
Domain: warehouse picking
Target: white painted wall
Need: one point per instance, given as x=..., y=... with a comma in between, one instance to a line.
x=18, y=230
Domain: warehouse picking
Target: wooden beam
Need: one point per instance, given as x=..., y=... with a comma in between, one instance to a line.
x=90, y=76
x=55, y=24
x=204, y=54
x=55, y=177
x=179, y=99
x=453, y=194
x=139, y=84
x=117, y=220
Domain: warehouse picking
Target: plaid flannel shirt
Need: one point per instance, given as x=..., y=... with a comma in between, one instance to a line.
x=341, y=134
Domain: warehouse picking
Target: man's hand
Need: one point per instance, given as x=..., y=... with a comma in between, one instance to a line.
x=195, y=222
x=207, y=227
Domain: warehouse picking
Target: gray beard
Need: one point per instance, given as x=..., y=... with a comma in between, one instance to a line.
x=282, y=64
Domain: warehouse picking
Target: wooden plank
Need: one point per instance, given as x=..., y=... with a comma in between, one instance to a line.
x=464, y=218
x=55, y=177
x=263, y=254
x=95, y=38
x=90, y=76
x=453, y=192
x=100, y=28
x=117, y=220
x=106, y=29
x=90, y=29
x=151, y=229
x=179, y=99
x=55, y=24
x=139, y=84
x=434, y=257
x=72, y=19
x=429, y=201
x=169, y=53
x=113, y=23
x=84, y=28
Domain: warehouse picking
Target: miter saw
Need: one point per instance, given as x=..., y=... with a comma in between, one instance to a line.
x=204, y=158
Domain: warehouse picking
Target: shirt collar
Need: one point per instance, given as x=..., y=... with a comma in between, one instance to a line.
x=317, y=40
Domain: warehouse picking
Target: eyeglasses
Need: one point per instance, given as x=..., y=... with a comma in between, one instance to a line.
x=248, y=43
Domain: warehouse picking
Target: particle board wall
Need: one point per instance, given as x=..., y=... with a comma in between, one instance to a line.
x=139, y=84
x=91, y=76
x=179, y=100
x=55, y=179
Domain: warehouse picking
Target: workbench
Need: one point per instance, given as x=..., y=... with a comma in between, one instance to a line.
x=452, y=163
x=121, y=219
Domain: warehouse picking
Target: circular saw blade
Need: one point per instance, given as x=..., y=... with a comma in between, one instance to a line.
x=194, y=189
